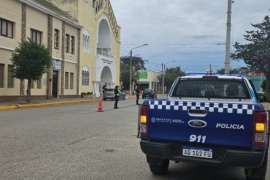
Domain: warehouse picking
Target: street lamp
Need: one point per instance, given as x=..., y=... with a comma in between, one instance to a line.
x=130, y=63
x=163, y=75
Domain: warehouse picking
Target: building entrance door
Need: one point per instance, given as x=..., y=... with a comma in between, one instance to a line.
x=55, y=84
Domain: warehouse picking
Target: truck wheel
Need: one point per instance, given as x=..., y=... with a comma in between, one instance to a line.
x=257, y=173
x=160, y=169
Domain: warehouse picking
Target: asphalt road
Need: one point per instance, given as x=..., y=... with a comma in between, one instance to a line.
x=76, y=142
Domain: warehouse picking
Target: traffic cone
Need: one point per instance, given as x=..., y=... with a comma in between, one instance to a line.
x=100, y=109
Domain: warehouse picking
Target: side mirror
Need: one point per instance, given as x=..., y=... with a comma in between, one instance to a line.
x=261, y=98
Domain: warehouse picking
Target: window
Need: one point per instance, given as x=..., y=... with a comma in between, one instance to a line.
x=39, y=86
x=10, y=78
x=72, y=45
x=56, y=39
x=67, y=42
x=85, y=77
x=99, y=51
x=86, y=41
x=36, y=36
x=2, y=75
x=6, y=28
x=71, y=80
x=66, y=80
x=211, y=88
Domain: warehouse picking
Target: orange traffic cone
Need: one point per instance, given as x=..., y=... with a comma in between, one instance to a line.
x=100, y=109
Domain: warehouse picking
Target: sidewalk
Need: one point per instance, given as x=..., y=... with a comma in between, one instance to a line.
x=39, y=103
x=49, y=102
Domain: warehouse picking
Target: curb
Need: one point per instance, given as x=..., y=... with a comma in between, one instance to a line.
x=8, y=107
x=45, y=104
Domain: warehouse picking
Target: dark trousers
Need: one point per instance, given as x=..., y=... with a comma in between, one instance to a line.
x=137, y=99
x=116, y=102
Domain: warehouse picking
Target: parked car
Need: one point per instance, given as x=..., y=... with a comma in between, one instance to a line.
x=109, y=94
x=149, y=93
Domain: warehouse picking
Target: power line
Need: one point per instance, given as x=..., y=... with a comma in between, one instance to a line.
x=190, y=42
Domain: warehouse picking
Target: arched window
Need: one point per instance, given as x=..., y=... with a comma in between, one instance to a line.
x=85, y=76
x=86, y=41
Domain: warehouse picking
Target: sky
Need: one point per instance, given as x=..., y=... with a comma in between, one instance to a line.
x=190, y=34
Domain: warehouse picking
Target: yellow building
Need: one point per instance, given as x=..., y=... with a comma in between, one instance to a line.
x=100, y=43
x=83, y=38
x=150, y=79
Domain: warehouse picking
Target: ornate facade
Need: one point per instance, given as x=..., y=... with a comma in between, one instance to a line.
x=100, y=46
x=82, y=36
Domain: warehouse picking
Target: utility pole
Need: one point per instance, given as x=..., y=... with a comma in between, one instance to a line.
x=228, y=37
x=131, y=70
x=163, y=69
x=130, y=73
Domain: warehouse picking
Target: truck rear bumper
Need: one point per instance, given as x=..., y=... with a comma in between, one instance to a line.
x=221, y=156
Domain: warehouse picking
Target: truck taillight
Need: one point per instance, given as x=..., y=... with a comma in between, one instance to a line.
x=260, y=129
x=143, y=120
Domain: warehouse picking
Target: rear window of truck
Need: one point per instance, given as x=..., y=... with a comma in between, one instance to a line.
x=211, y=88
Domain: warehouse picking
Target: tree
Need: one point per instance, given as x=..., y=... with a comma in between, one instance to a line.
x=232, y=71
x=30, y=61
x=171, y=74
x=137, y=64
x=256, y=54
x=124, y=75
x=263, y=85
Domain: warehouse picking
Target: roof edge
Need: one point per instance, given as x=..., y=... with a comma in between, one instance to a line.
x=65, y=17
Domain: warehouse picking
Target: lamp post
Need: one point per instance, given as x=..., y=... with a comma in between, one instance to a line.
x=130, y=63
x=163, y=75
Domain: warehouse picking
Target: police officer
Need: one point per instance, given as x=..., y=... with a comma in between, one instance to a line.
x=116, y=95
x=104, y=88
x=137, y=91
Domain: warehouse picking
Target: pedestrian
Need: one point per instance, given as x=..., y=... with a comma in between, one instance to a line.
x=116, y=95
x=137, y=91
x=104, y=88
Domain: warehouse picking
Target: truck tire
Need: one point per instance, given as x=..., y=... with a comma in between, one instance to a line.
x=257, y=173
x=160, y=169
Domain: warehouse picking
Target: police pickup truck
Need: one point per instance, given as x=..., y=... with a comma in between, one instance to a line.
x=208, y=119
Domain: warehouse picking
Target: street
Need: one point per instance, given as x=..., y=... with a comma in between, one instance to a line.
x=76, y=142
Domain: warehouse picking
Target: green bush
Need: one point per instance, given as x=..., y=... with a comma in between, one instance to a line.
x=267, y=95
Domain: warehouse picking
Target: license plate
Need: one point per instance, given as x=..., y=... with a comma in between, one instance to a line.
x=197, y=152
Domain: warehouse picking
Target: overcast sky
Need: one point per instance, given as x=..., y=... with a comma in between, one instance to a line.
x=192, y=32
